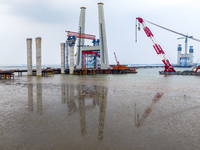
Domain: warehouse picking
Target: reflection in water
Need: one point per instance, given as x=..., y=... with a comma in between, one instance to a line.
x=102, y=110
x=63, y=98
x=30, y=96
x=39, y=98
x=71, y=103
x=147, y=112
x=78, y=99
x=81, y=103
x=83, y=93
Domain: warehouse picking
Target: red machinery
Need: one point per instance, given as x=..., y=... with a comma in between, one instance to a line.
x=157, y=47
x=91, y=53
x=84, y=36
x=81, y=35
x=197, y=69
x=116, y=59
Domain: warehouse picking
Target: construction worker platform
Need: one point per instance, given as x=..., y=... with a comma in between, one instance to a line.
x=6, y=74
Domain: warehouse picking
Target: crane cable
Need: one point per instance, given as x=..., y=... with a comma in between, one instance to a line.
x=172, y=31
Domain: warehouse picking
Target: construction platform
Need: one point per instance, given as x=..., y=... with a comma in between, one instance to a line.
x=48, y=72
x=103, y=71
x=45, y=72
x=114, y=69
x=190, y=73
x=6, y=74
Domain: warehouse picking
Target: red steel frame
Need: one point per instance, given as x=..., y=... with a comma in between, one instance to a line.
x=80, y=35
x=157, y=47
x=91, y=53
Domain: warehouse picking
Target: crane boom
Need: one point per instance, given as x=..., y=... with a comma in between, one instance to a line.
x=116, y=59
x=157, y=47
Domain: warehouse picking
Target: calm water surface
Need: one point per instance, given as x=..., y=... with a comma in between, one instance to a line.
x=130, y=111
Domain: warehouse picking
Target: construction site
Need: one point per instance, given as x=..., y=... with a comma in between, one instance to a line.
x=77, y=58
x=182, y=59
x=88, y=59
x=94, y=59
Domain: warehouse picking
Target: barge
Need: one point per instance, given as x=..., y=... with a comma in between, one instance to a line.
x=191, y=73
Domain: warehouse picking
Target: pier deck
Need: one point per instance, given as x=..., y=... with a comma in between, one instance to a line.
x=6, y=74
x=51, y=72
x=103, y=71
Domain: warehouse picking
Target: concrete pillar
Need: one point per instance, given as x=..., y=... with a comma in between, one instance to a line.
x=179, y=54
x=38, y=56
x=80, y=40
x=191, y=51
x=62, y=45
x=103, y=40
x=71, y=54
x=29, y=56
x=66, y=55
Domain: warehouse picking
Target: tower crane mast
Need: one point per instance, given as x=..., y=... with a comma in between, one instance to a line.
x=157, y=47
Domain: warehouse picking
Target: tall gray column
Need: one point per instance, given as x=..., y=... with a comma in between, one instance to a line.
x=62, y=45
x=71, y=54
x=38, y=56
x=29, y=56
x=179, y=54
x=80, y=43
x=191, y=51
x=103, y=40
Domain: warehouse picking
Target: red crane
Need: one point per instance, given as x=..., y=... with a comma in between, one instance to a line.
x=116, y=59
x=81, y=35
x=157, y=47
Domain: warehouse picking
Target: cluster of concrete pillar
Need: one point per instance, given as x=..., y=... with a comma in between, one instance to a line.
x=38, y=56
x=187, y=58
x=102, y=37
x=71, y=42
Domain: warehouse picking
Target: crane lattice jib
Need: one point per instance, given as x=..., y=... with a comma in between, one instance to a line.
x=81, y=35
x=116, y=59
x=157, y=47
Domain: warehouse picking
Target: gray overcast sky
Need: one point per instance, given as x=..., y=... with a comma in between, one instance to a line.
x=21, y=19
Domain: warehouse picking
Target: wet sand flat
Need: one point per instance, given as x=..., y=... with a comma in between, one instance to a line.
x=113, y=112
